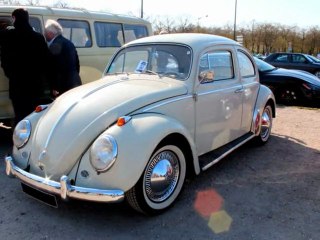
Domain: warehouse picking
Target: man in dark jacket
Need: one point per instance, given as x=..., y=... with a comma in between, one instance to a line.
x=24, y=59
x=66, y=61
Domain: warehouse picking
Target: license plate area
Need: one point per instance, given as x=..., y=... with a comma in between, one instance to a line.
x=39, y=195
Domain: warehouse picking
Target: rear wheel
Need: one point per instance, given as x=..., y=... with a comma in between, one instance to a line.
x=161, y=181
x=266, y=125
x=290, y=96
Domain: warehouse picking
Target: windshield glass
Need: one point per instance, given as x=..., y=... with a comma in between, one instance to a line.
x=313, y=59
x=263, y=66
x=163, y=59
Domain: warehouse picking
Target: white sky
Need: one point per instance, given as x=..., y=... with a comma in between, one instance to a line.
x=302, y=13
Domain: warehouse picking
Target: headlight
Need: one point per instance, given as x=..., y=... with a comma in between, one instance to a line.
x=22, y=133
x=103, y=153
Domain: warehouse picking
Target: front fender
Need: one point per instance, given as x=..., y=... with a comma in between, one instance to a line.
x=136, y=141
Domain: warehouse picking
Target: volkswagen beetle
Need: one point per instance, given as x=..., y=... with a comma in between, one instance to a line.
x=140, y=131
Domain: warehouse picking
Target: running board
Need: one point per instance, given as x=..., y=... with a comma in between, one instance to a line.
x=211, y=158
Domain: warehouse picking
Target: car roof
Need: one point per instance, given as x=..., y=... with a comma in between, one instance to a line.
x=72, y=13
x=190, y=39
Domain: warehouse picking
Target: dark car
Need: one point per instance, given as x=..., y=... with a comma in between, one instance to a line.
x=298, y=61
x=289, y=86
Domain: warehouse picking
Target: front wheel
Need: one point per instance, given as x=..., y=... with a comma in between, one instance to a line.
x=161, y=181
x=266, y=125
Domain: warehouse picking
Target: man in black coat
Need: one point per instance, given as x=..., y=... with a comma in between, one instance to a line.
x=66, y=61
x=24, y=59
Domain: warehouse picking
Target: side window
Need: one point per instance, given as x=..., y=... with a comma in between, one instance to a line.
x=6, y=21
x=132, y=32
x=77, y=31
x=219, y=62
x=299, y=59
x=35, y=24
x=108, y=34
x=246, y=66
x=282, y=58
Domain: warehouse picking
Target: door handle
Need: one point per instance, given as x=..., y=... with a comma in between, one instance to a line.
x=240, y=90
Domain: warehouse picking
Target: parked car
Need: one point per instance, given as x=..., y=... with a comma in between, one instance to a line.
x=140, y=131
x=298, y=61
x=289, y=86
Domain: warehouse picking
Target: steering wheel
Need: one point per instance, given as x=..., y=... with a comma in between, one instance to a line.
x=171, y=74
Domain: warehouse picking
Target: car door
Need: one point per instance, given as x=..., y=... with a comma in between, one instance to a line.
x=219, y=101
x=299, y=61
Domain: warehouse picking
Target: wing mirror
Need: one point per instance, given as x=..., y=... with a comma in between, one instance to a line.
x=206, y=76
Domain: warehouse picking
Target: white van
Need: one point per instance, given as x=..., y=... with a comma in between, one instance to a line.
x=96, y=36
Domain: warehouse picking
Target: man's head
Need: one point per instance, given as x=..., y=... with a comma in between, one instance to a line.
x=20, y=17
x=52, y=29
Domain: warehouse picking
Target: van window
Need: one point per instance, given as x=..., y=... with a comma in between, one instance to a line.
x=77, y=31
x=132, y=32
x=35, y=24
x=108, y=34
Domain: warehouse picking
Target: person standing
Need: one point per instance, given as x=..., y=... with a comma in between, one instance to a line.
x=66, y=60
x=24, y=59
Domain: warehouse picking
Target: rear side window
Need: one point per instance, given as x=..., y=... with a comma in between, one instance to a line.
x=132, y=32
x=281, y=58
x=77, y=31
x=246, y=66
x=108, y=34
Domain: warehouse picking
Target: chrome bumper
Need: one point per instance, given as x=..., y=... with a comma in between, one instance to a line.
x=62, y=188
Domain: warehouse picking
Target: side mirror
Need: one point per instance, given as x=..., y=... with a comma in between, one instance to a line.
x=206, y=76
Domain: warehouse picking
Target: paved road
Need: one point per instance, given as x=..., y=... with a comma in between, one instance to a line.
x=269, y=192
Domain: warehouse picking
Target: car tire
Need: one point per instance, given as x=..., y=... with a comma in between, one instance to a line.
x=290, y=96
x=161, y=182
x=266, y=126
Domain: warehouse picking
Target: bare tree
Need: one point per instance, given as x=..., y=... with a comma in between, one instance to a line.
x=61, y=4
x=32, y=2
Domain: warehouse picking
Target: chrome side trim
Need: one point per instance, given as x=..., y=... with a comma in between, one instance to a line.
x=62, y=188
x=227, y=153
x=167, y=102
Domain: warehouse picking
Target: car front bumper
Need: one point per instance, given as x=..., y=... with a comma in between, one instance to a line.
x=62, y=188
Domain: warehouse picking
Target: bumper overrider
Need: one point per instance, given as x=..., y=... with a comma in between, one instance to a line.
x=62, y=188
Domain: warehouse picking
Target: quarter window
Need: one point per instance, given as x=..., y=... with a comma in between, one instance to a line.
x=77, y=31
x=246, y=66
x=219, y=62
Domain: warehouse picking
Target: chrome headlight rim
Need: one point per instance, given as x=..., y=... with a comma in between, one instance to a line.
x=110, y=149
x=22, y=133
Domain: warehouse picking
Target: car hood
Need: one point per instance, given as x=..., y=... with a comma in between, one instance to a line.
x=295, y=74
x=73, y=121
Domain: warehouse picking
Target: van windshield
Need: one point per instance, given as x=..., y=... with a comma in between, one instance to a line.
x=164, y=59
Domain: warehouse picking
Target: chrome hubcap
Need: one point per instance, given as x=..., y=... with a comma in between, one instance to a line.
x=162, y=176
x=265, y=123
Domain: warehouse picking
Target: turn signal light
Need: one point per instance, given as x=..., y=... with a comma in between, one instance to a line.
x=40, y=108
x=123, y=120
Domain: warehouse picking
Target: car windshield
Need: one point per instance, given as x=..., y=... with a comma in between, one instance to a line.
x=263, y=66
x=313, y=59
x=163, y=59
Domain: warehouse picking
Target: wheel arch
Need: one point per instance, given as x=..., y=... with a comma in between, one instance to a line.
x=180, y=141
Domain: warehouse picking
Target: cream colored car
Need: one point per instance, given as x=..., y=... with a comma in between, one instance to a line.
x=140, y=131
